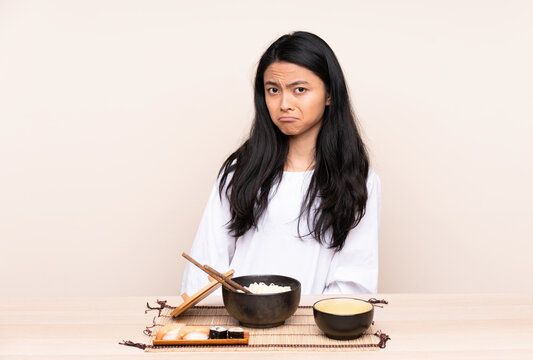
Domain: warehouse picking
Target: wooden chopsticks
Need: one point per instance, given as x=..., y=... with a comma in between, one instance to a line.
x=225, y=281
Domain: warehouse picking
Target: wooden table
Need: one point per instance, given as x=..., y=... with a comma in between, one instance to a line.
x=421, y=326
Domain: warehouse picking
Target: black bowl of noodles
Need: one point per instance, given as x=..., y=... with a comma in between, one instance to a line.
x=263, y=310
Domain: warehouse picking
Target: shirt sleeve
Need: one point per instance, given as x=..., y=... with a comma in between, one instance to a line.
x=354, y=269
x=212, y=245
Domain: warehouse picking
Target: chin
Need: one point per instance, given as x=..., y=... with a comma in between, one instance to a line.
x=289, y=131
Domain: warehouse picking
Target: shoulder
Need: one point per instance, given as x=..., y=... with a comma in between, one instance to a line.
x=373, y=183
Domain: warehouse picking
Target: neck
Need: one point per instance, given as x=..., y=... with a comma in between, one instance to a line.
x=302, y=148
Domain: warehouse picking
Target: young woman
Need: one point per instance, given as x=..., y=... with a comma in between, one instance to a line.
x=298, y=197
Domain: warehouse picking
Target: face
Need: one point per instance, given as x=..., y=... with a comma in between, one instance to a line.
x=295, y=97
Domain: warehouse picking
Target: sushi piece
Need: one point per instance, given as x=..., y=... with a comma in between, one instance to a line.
x=169, y=332
x=194, y=333
x=218, y=332
x=236, y=333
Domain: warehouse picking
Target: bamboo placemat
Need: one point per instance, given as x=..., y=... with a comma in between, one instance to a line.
x=299, y=333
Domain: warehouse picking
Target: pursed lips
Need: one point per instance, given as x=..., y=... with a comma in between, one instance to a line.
x=288, y=118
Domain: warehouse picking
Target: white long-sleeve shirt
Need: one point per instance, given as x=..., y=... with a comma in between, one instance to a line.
x=275, y=248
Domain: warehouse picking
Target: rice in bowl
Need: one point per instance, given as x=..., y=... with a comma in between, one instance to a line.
x=262, y=288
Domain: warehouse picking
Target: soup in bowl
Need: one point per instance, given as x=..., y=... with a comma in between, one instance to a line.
x=343, y=318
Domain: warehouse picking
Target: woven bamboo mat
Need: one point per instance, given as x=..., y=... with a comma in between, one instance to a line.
x=299, y=333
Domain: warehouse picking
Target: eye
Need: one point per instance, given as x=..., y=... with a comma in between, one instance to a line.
x=272, y=90
x=300, y=90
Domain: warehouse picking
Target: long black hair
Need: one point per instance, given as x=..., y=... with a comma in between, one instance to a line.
x=337, y=192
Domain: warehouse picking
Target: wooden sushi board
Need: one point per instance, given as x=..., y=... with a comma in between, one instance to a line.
x=206, y=342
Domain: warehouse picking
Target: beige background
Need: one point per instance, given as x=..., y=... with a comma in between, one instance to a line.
x=116, y=115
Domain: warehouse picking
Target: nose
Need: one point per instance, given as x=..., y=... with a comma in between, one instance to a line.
x=285, y=103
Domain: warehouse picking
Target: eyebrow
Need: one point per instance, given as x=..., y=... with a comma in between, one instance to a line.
x=299, y=82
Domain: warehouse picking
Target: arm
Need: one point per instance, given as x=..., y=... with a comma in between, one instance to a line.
x=212, y=245
x=354, y=269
